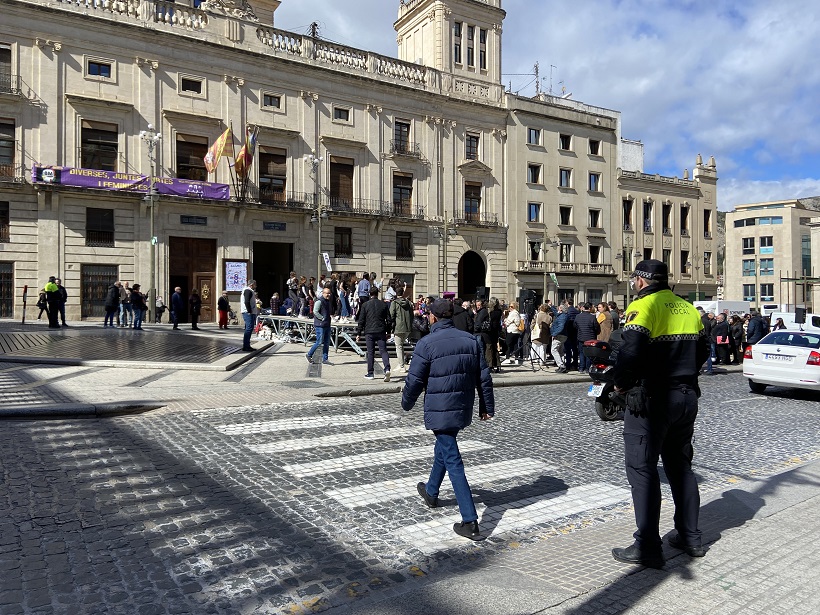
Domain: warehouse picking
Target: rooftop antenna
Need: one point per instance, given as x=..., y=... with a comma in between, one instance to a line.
x=314, y=29
x=536, y=68
x=551, y=67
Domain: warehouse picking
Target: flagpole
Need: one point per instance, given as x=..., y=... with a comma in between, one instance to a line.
x=231, y=169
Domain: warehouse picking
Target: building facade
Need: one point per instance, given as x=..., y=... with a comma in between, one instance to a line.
x=769, y=249
x=419, y=167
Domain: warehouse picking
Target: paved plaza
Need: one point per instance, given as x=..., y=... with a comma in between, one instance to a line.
x=271, y=489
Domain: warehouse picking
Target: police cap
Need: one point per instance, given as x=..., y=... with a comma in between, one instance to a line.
x=651, y=269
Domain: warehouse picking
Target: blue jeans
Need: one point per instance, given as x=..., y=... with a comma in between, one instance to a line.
x=126, y=307
x=138, y=314
x=583, y=361
x=448, y=459
x=323, y=340
x=109, y=316
x=250, y=321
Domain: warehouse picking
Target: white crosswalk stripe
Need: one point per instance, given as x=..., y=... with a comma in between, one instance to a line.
x=365, y=460
x=337, y=439
x=405, y=487
x=437, y=534
x=305, y=422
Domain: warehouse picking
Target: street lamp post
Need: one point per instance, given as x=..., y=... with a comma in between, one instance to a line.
x=626, y=259
x=445, y=233
x=319, y=210
x=547, y=243
x=152, y=138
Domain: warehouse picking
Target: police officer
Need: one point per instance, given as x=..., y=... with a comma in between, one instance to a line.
x=657, y=371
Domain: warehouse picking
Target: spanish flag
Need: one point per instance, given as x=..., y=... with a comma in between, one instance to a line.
x=244, y=159
x=217, y=150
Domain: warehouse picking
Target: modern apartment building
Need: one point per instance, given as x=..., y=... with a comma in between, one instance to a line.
x=420, y=167
x=769, y=253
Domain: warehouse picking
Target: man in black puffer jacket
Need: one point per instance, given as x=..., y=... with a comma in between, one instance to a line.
x=374, y=317
x=450, y=365
x=587, y=328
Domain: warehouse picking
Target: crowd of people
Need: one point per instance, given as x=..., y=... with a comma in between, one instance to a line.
x=510, y=333
x=730, y=334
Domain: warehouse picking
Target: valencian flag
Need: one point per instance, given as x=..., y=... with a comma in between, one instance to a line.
x=217, y=150
x=244, y=159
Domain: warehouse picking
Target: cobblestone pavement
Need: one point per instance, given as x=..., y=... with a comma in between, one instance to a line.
x=310, y=505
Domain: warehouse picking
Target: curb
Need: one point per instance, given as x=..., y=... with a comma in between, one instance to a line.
x=64, y=411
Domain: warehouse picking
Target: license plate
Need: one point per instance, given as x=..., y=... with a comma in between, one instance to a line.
x=595, y=390
x=779, y=357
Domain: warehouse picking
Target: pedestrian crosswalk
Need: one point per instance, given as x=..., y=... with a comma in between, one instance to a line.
x=513, y=495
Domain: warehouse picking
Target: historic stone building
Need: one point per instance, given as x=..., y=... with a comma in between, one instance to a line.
x=420, y=167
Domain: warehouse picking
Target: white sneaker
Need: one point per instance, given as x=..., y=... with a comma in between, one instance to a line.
x=387, y=376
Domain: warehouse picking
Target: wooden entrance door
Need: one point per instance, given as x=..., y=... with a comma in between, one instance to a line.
x=204, y=282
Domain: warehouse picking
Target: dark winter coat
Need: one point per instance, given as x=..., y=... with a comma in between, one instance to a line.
x=195, y=304
x=177, y=304
x=373, y=317
x=586, y=327
x=720, y=329
x=569, y=328
x=756, y=330
x=496, y=316
x=449, y=366
x=112, y=298
x=222, y=304
x=462, y=319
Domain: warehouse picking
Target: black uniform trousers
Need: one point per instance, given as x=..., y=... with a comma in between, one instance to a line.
x=666, y=433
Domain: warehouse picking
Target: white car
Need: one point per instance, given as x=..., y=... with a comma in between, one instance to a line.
x=784, y=358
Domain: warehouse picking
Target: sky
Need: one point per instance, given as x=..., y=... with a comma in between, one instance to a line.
x=735, y=79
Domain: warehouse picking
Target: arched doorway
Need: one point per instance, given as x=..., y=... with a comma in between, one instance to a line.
x=472, y=273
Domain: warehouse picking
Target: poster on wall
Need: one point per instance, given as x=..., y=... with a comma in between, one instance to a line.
x=236, y=275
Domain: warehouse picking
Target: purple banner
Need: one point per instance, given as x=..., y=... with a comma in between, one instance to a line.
x=128, y=182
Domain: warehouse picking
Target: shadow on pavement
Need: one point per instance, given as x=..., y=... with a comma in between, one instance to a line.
x=733, y=509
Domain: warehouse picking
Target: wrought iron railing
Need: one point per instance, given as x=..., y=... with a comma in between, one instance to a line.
x=405, y=148
x=9, y=84
x=278, y=199
x=5, y=235
x=99, y=239
x=564, y=267
x=11, y=173
x=479, y=218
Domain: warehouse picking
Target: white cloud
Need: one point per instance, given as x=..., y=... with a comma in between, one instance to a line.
x=736, y=79
x=733, y=192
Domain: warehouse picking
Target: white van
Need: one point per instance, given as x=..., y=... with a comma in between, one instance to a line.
x=738, y=308
x=812, y=321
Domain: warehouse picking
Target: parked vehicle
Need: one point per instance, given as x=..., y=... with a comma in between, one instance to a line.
x=719, y=306
x=608, y=404
x=784, y=358
x=812, y=321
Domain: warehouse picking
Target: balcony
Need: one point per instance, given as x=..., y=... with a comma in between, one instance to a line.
x=11, y=173
x=478, y=218
x=667, y=230
x=5, y=234
x=10, y=84
x=99, y=239
x=647, y=227
x=684, y=232
x=707, y=235
x=306, y=201
x=627, y=227
x=565, y=268
x=405, y=148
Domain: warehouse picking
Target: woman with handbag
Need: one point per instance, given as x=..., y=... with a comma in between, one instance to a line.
x=513, y=327
x=720, y=337
x=194, y=308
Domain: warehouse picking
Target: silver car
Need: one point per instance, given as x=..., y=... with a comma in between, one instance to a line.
x=784, y=358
